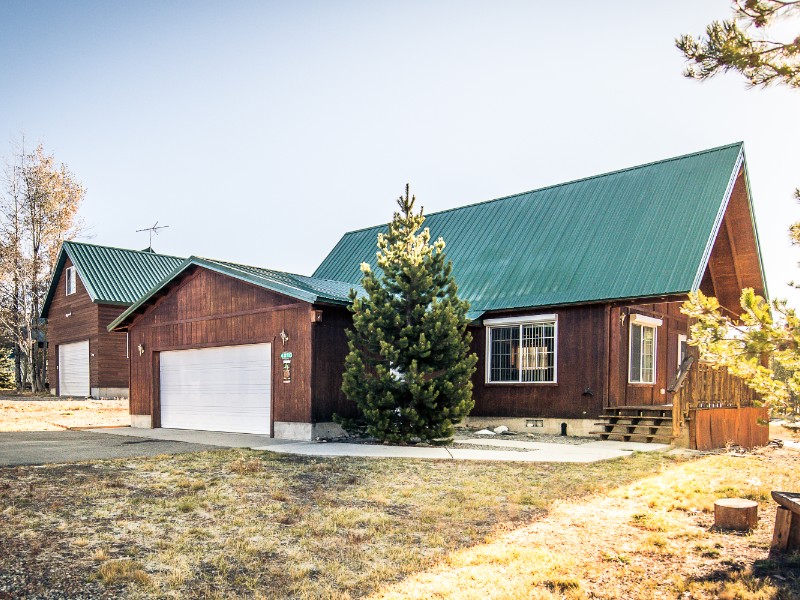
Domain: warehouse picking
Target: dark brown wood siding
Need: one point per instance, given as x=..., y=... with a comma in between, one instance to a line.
x=734, y=263
x=111, y=356
x=329, y=351
x=206, y=309
x=582, y=365
x=81, y=324
x=622, y=393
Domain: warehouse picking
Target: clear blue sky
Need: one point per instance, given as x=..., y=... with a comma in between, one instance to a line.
x=261, y=131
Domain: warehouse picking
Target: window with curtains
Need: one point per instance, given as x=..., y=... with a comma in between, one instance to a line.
x=521, y=351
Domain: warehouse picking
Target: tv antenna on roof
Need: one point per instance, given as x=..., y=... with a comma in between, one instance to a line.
x=153, y=230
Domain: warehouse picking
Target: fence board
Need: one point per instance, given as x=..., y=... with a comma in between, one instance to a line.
x=716, y=427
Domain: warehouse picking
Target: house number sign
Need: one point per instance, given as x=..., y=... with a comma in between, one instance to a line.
x=287, y=370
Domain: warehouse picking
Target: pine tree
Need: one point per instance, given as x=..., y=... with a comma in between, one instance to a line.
x=409, y=367
x=742, y=44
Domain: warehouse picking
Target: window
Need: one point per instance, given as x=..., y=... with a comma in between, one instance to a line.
x=643, y=338
x=70, y=280
x=521, y=349
x=683, y=349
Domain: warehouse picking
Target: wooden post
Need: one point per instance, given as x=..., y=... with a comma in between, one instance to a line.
x=677, y=410
x=787, y=521
x=736, y=513
x=783, y=524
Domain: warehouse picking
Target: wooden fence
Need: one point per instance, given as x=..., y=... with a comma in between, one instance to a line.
x=712, y=428
x=718, y=409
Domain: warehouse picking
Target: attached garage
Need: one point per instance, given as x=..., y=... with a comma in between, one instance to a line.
x=217, y=389
x=224, y=347
x=73, y=369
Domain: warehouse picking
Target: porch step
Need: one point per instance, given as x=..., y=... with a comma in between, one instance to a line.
x=635, y=437
x=649, y=424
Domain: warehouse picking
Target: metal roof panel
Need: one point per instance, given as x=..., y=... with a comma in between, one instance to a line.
x=638, y=232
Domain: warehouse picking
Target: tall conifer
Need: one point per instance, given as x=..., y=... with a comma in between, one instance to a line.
x=409, y=367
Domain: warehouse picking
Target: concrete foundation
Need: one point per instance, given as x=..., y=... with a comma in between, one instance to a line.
x=550, y=426
x=141, y=421
x=286, y=430
x=108, y=393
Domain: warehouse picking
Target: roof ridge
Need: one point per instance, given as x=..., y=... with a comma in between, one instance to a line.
x=145, y=252
x=572, y=181
x=234, y=265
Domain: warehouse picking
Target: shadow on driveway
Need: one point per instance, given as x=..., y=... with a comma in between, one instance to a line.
x=54, y=447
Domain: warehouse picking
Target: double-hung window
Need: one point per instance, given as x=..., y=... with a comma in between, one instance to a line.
x=643, y=349
x=71, y=280
x=522, y=349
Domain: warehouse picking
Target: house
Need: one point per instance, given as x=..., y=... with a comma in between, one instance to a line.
x=575, y=289
x=227, y=347
x=575, y=293
x=91, y=285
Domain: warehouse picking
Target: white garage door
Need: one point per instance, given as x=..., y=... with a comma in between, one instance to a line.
x=217, y=389
x=73, y=369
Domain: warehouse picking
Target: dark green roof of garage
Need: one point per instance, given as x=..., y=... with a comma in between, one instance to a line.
x=300, y=287
x=111, y=275
x=641, y=232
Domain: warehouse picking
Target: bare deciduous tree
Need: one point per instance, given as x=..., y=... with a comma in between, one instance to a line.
x=38, y=210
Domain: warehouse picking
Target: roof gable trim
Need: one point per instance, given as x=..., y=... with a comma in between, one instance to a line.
x=223, y=269
x=718, y=221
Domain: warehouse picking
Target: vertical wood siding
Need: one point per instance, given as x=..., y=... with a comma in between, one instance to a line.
x=716, y=427
x=329, y=351
x=108, y=364
x=582, y=364
x=622, y=393
x=111, y=358
x=82, y=324
x=207, y=309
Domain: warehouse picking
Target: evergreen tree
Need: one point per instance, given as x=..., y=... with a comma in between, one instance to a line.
x=409, y=367
x=742, y=44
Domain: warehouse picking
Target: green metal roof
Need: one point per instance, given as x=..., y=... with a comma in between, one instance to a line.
x=645, y=231
x=301, y=287
x=111, y=275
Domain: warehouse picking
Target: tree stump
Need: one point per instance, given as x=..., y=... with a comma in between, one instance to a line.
x=735, y=513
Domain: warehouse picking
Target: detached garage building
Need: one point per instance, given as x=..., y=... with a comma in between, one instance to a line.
x=226, y=347
x=90, y=287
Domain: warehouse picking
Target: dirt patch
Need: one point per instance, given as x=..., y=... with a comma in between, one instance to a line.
x=651, y=539
x=25, y=413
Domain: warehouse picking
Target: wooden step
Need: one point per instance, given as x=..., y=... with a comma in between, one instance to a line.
x=637, y=412
x=634, y=437
x=648, y=424
x=635, y=426
x=636, y=420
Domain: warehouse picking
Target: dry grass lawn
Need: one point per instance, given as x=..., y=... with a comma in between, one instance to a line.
x=259, y=525
x=32, y=413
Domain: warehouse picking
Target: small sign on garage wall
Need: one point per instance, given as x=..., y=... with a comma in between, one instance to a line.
x=287, y=370
x=286, y=355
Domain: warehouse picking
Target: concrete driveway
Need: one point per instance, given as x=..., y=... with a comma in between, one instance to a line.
x=489, y=450
x=48, y=447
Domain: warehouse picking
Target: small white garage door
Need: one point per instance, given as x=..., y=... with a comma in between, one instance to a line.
x=73, y=369
x=217, y=389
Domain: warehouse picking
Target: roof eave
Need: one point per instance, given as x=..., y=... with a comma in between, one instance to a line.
x=229, y=271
